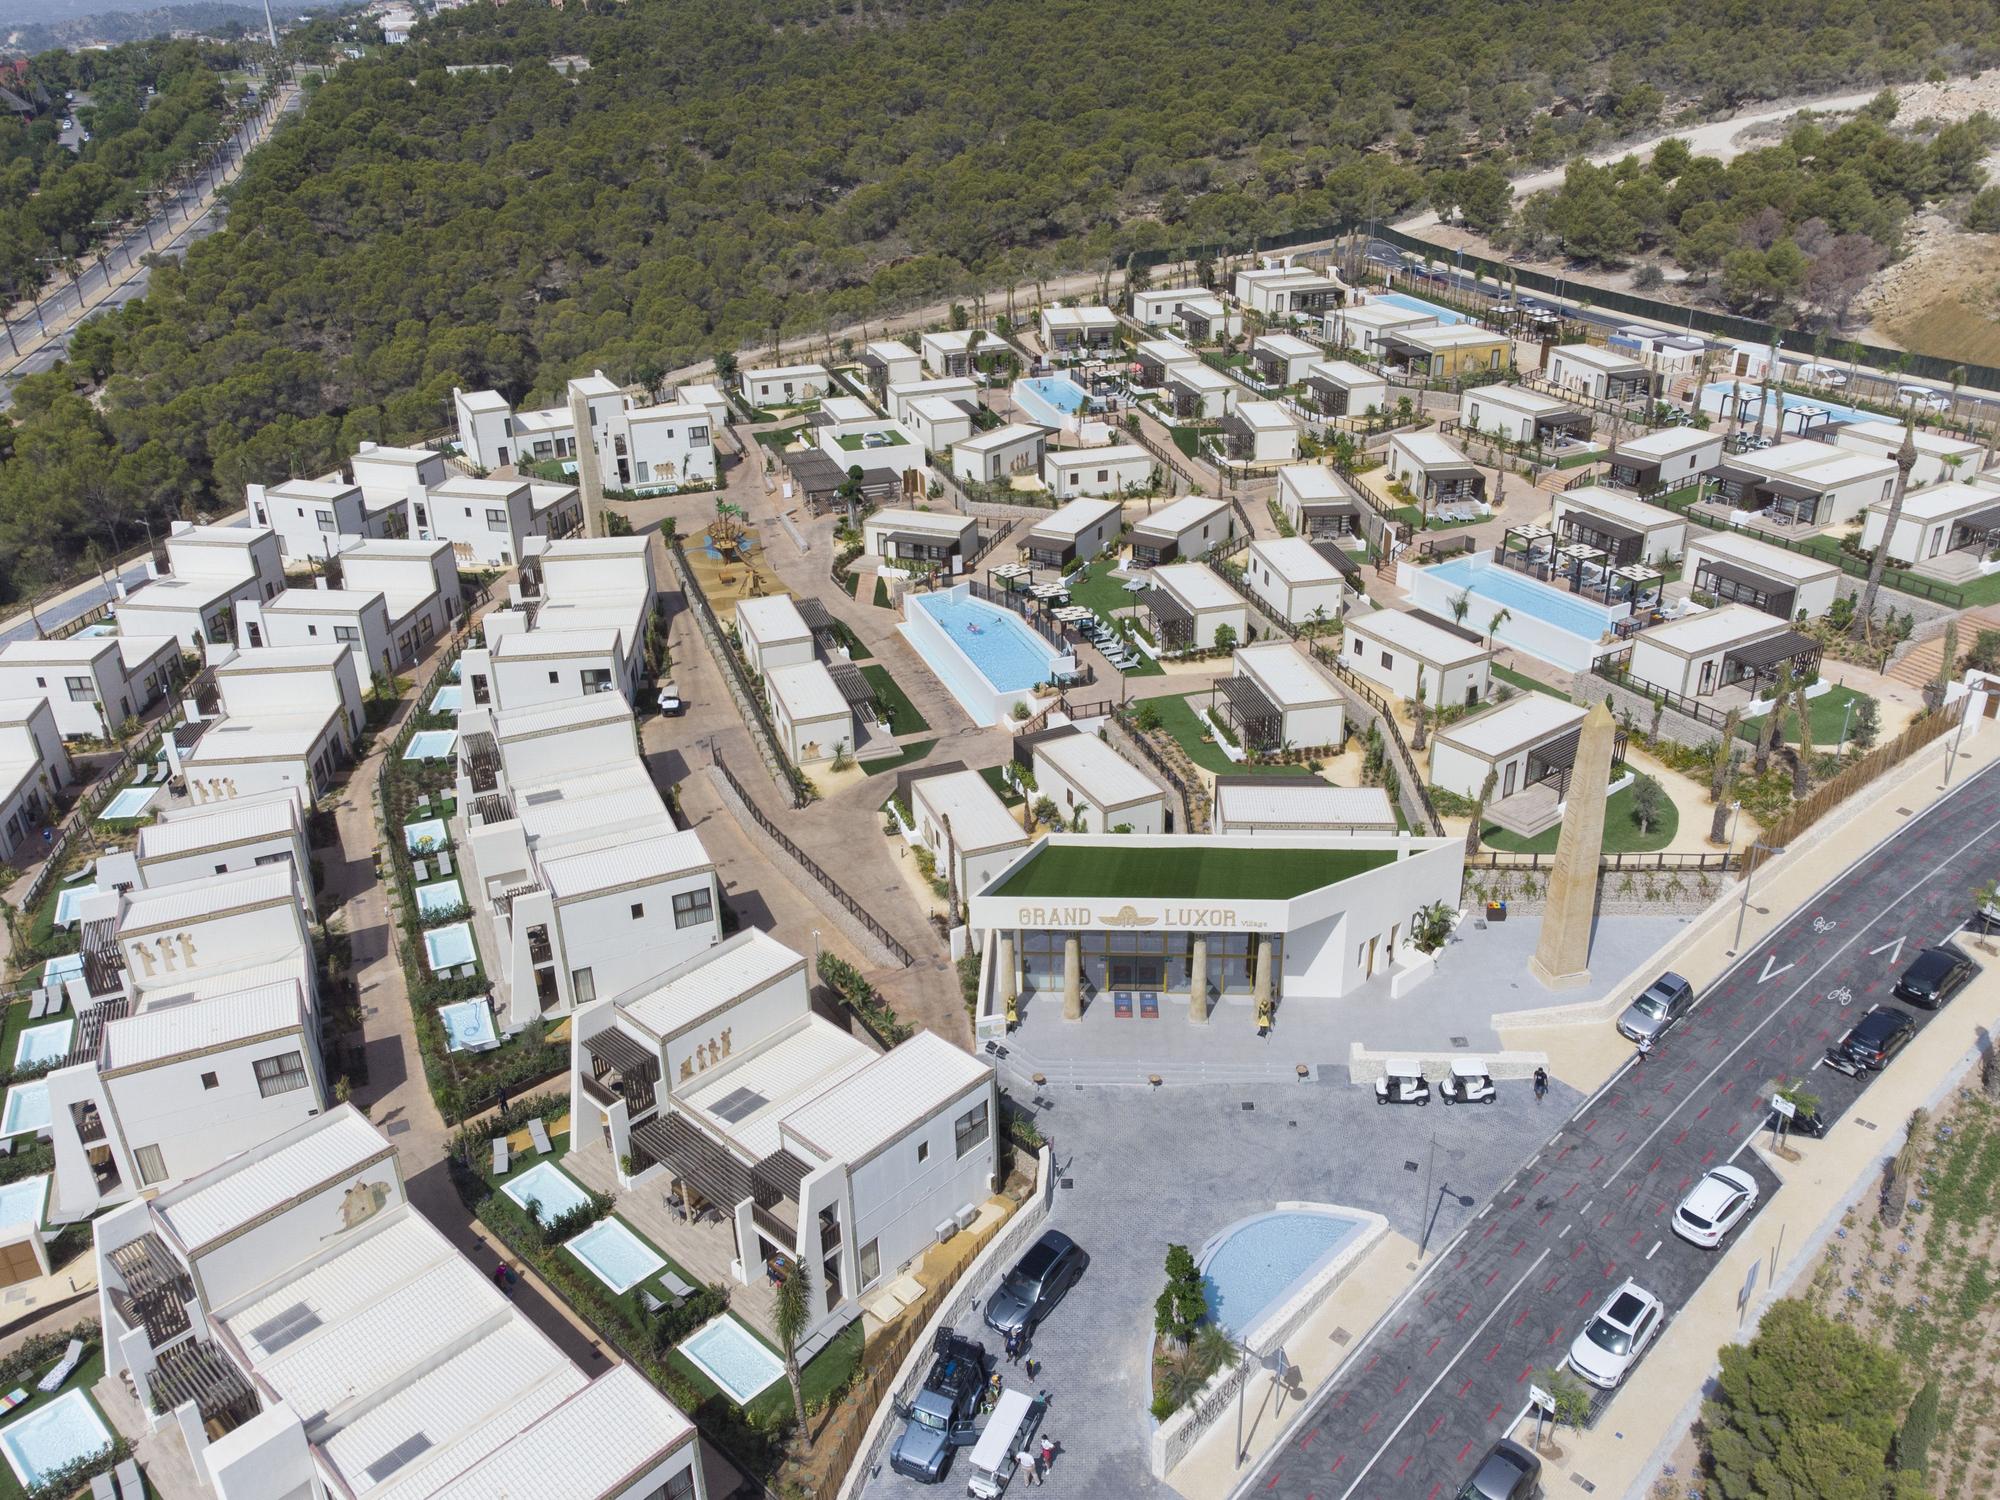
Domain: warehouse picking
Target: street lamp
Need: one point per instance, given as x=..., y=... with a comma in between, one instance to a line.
x=1749, y=871
x=1841, y=743
x=1956, y=740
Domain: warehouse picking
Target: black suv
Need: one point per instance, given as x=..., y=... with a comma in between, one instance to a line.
x=1876, y=1038
x=1508, y=1472
x=1934, y=976
x=1035, y=1285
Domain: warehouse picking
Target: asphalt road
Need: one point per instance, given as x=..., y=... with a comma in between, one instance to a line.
x=1446, y=1371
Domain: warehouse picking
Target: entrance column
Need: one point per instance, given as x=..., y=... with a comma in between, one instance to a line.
x=1263, y=979
x=1072, y=978
x=1198, y=980
x=1005, y=978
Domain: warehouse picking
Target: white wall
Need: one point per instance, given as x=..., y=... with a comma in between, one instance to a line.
x=1098, y=479
x=899, y=1202
x=600, y=933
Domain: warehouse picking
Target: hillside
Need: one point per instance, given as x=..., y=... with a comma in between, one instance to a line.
x=723, y=172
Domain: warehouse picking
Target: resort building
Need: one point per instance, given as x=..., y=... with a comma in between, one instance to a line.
x=1160, y=307
x=812, y=717
x=387, y=478
x=1293, y=580
x=1940, y=456
x=1363, y=328
x=579, y=623
x=1601, y=374
x=1077, y=532
x=1528, y=739
x=290, y=717
x=1285, y=291
x=957, y=351
x=932, y=538
x=1197, y=393
x=903, y=394
x=771, y=633
x=1802, y=484
x=1395, y=649
x=1000, y=454
x=492, y=435
x=1260, y=432
x=222, y=838
x=1449, y=352
x=34, y=766
x=717, y=1078
x=1158, y=358
x=1721, y=648
x=1518, y=415
x=1188, y=605
x=1096, y=789
x=94, y=683
x=310, y=1334
x=315, y=518
x=886, y=362
x=1948, y=530
x=1283, y=358
x=488, y=521
x=876, y=444
x=784, y=385
x=1206, y=319
x=1078, y=327
x=1250, y=806
x=418, y=582
x=1279, y=699
x=1318, y=503
x=1664, y=460
x=1733, y=569
x=1182, y=531
x=1112, y=470
x=938, y=422
x=1624, y=529
x=966, y=826
x=1341, y=389
x=1202, y=920
x=1435, y=469
x=209, y=571
x=305, y=617
x=651, y=450
x=580, y=881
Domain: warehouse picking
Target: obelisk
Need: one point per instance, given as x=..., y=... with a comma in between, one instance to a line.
x=1562, y=957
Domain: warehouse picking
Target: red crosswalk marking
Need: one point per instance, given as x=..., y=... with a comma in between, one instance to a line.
x=1435, y=1425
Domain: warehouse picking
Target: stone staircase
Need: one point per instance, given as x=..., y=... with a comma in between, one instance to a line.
x=1919, y=665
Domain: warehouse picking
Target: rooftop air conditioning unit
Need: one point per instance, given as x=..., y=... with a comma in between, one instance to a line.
x=945, y=1231
x=964, y=1217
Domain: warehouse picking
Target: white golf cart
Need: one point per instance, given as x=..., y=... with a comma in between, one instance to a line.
x=1468, y=1083
x=1402, y=1082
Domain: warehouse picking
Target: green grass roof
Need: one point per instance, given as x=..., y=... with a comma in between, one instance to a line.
x=1201, y=872
x=856, y=442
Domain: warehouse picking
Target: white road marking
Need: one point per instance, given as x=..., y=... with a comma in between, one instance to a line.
x=1565, y=1231
x=1418, y=1405
x=1586, y=1207
x=1655, y=1250
x=1769, y=972
x=1742, y=1146
x=1897, y=945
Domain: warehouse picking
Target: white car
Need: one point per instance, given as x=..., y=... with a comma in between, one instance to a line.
x=1715, y=1205
x=1616, y=1335
x=1923, y=396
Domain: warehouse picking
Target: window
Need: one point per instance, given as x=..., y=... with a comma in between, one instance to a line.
x=1388, y=661
x=678, y=1487
x=1360, y=649
x=554, y=677
x=222, y=869
x=80, y=689
x=697, y=437
x=645, y=471
x=692, y=908
x=325, y=519
x=969, y=1129
x=869, y=1262
x=496, y=520
x=583, y=985
x=280, y=1074
x=638, y=910
x=312, y=630
x=923, y=1152
x=209, y=1081
x=346, y=633
x=152, y=1166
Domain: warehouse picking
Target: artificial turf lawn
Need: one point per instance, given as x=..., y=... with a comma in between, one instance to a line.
x=1826, y=712
x=1204, y=873
x=1621, y=830
x=1526, y=683
x=903, y=715
x=1179, y=719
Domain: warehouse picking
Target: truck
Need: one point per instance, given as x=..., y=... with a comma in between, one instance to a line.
x=940, y=1420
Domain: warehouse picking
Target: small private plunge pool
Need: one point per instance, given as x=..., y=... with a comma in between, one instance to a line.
x=1260, y=1269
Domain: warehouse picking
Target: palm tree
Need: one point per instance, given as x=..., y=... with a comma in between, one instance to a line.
x=1718, y=826
x=1906, y=460
x=1767, y=732
x=1801, y=770
x=1500, y=617
x=1479, y=813
x=791, y=1315
x=1460, y=605
x=1417, y=712
x=1723, y=753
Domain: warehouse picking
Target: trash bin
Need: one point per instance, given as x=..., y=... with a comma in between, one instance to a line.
x=1496, y=911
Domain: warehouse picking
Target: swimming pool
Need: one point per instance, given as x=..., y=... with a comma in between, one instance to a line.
x=63, y=967
x=1559, y=627
x=448, y=947
x=985, y=655
x=431, y=744
x=41, y=1045
x=439, y=895
x=27, y=1109
x=468, y=1026
x=23, y=1202
x=430, y=832
x=1257, y=1265
x=53, y=1436
x=1417, y=304
x=546, y=1192
x=129, y=803
x=1051, y=400
x=70, y=902
x=447, y=699
x=615, y=1255
x=733, y=1357
x=1715, y=398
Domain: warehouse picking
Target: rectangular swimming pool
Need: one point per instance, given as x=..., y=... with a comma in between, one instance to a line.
x=733, y=1357
x=43, y=1044
x=546, y=1191
x=1546, y=622
x=129, y=803
x=27, y=1109
x=615, y=1255
x=987, y=656
x=23, y=1202
x=1051, y=400
x=468, y=1026
x=425, y=837
x=1715, y=397
x=448, y=947
x=431, y=744
x=439, y=895
x=447, y=699
x=1417, y=304
x=69, y=903
x=53, y=1436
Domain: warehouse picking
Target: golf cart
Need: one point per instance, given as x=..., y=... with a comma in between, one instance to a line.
x=1402, y=1082
x=670, y=700
x=1468, y=1083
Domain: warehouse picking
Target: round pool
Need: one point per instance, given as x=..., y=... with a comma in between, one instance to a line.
x=1259, y=1264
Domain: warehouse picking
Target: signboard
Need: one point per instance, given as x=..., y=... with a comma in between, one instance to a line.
x=1783, y=1107
x=1540, y=1398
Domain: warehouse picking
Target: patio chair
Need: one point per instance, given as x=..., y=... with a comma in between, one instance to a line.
x=13, y=1399
x=63, y=1368
x=444, y=861
x=130, y=1485
x=539, y=1133
x=673, y=1283
x=499, y=1156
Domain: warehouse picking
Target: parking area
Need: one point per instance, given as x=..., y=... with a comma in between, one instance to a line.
x=1140, y=1169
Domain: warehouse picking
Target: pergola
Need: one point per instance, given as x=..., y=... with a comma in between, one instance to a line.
x=825, y=629
x=855, y=688
x=637, y=1069
x=1258, y=720
x=199, y=1372
x=1173, y=621
x=1571, y=560
x=1761, y=661
x=1635, y=584
x=1622, y=544
x=1732, y=583
x=1978, y=532
x=1555, y=760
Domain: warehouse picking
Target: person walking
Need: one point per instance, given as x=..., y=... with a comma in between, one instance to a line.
x=1030, y=1474
x=1541, y=1084
x=1048, y=1452
x=1645, y=1049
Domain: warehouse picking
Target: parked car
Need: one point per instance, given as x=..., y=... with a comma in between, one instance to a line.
x=1030, y=1291
x=1616, y=1335
x=1715, y=1205
x=1872, y=1041
x=1664, y=1002
x=941, y=1420
x=1934, y=976
x=1402, y=1082
x=1508, y=1472
x=1924, y=397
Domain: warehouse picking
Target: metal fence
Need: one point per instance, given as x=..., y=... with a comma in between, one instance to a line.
x=810, y=865
x=1502, y=859
x=1406, y=763
x=1855, y=567
x=1616, y=668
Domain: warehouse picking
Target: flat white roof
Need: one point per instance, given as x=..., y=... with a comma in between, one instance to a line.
x=221, y=1021
x=1295, y=560
x=1184, y=514
x=979, y=819
x=1938, y=502
x=1381, y=316
x=1097, y=770
x=779, y=372
x=637, y=860
x=810, y=1056
x=322, y=601
x=213, y=824
x=939, y=409
x=1278, y=802
x=1267, y=416
x=1618, y=506
x=1520, y=398
x=1077, y=517
x=1452, y=335
x=771, y=620
x=882, y=1102
x=267, y=1177
x=1729, y=625
x=1000, y=437
x=1814, y=462
x=191, y=900
x=1609, y=360
x=1889, y=435
x=1078, y=317
x=807, y=691
x=1196, y=585
x=1527, y=719
x=889, y=350
x=1420, y=638
x=1344, y=373
x=1668, y=442
x=1428, y=449
x=1762, y=556
x=1167, y=351
x=1201, y=378
x=1313, y=482
x=937, y=522
x=1286, y=674
x=1287, y=346
x=594, y=1441
x=1078, y=458
x=686, y=993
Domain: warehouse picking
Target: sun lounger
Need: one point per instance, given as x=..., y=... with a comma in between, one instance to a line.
x=13, y=1398
x=652, y=1304
x=444, y=861
x=63, y=1367
x=499, y=1156
x=100, y=1488
x=38, y=1005
x=130, y=1485
x=421, y=869
x=672, y=1282
x=539, y=1133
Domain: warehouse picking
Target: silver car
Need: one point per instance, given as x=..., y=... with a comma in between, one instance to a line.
x=1665, y=1001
